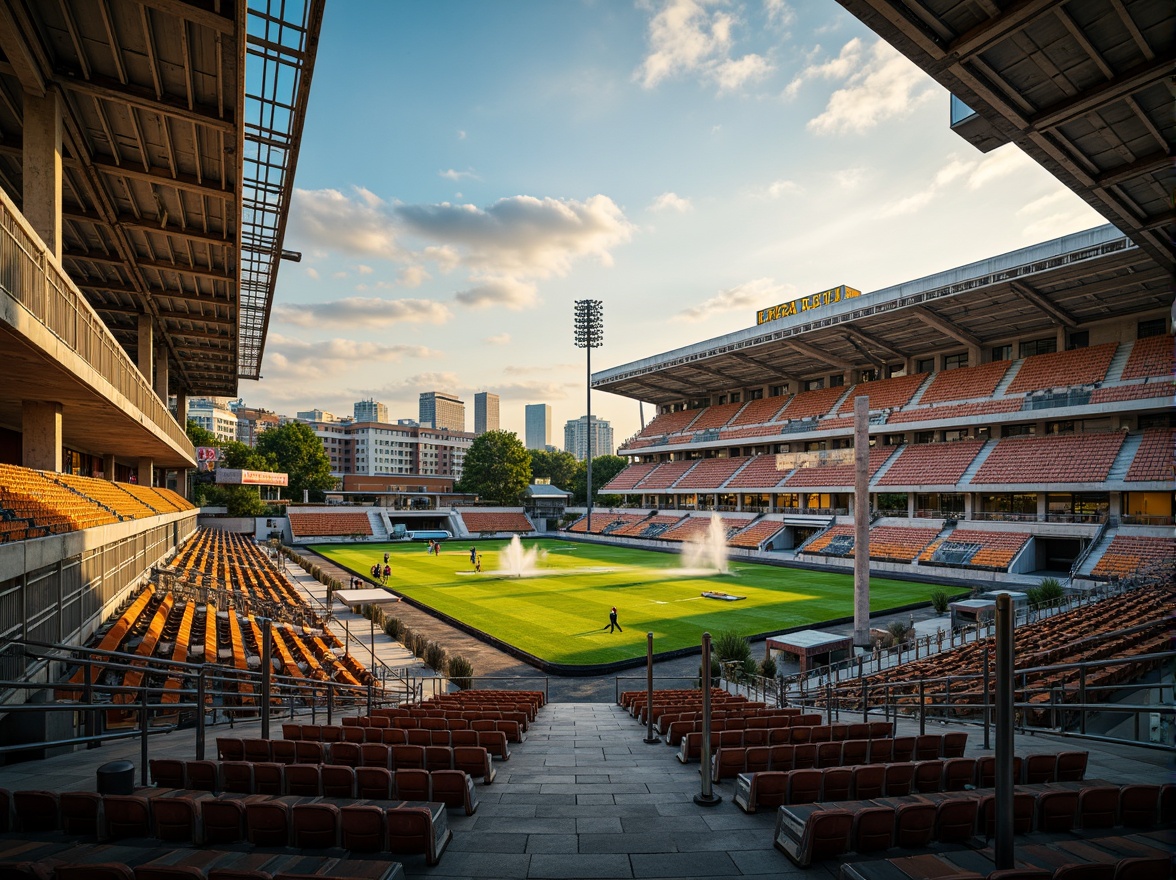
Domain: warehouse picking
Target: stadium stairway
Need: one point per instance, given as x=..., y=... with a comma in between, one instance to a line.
x=1123, y=460
x=918, y=395
x=1007, y=379
x=1096, y=553
x=379, y=526
x=1118, y=362
x=981, y=457
x=886, y=465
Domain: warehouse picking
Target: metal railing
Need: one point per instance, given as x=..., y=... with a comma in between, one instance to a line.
x=1088, y=549
x=33, y=278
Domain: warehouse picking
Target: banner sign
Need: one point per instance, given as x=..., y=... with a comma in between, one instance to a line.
x=238, y=477
x=208, y=453
x=805, y=304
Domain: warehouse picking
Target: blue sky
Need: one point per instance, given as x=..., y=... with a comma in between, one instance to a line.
x=469, y=169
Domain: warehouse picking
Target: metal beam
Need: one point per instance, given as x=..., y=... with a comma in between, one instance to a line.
x=1112, y=90
x=1031, y=296
x=21, y=53
x=873, y=340
x=137, y=96
x=763, y=365
x=932, y=319
x=158, y=265
x=162, y=177
x=1010, y=20
x=1145, y=165
x=191, y=12
x=156, y=293
x=816, y=353
x=876, y=361
x=130, y=221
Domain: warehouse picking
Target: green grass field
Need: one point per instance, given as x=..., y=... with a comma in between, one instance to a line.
x=562, y=617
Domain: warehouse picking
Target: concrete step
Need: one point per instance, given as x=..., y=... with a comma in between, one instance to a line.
x=982, y=456
x=1123, y=460
x=1118, y=362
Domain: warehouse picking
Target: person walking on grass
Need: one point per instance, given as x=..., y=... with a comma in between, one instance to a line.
x=612, y=620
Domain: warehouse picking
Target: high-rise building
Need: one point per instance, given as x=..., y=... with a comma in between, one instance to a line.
x=538, y=426
x=211, y=414
x=485, y=412
x=315, y=415
x=441, y=410
x=576, y=433
x=371, y=411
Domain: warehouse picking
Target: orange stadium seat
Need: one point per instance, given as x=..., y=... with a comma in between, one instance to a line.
x=483, y=521
x=931, y=464
x=808, y=404
x=966, y=383
x=1068, y=458
x=1063, y=369
x=1151, y=357
x=304, y=524
x=1154, y=458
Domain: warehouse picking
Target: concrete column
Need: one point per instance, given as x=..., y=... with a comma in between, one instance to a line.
x=1116, y=508
x=146, y=471
x=1041, y=507
x=108, y=467
x=161, y=371
x=861, y=521
x=41, y=169
x=145, y=346
x=41, y=435
x=969, y=504
x=911, y=505
x=182, y=408
x=974, y=355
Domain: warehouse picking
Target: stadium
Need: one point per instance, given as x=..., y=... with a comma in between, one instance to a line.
x=1020, y=427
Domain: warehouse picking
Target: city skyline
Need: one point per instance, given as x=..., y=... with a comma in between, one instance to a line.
x=686, y=164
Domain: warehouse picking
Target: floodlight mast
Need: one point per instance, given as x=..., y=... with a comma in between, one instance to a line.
x=589, y=335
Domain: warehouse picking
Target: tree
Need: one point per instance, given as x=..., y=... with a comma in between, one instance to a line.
x=296, y=451
x=558, y=467
x=201, y=436
x=497, y=468
x=604, y=468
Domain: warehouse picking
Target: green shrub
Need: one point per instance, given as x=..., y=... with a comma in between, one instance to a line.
x=460, y=672
x=939, y=601
x=419, y=644
x=767, y=667
x=716, y=671
x=394, y=627
x=406, y=637
x=750, y=669
x=1047, y=592
x=730, y=646
x=434, y=656
x=898, y=631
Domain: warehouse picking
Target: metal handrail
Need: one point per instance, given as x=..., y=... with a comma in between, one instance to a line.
x=1088, y=549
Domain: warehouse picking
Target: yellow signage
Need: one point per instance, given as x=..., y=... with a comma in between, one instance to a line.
x=805, y=303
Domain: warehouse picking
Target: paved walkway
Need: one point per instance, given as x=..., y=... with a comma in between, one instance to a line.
x=585, y=797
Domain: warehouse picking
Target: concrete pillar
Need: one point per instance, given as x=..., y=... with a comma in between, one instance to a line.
x=911, y=505
x=861, y=521
x=41, y=189
x=161, y=371
x=1042, y=510
x=108, y=467
x=974, y=355
x=145, y=346
x=1116, y=508
x=182, y=408
x=146, y=471
x=969, y=504
x=41, y=435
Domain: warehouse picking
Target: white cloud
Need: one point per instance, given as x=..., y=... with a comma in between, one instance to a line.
x=778, y=188
x=362, y=311
x=454, y=175
x=850, y=178
x=757, y=293
x=312, y=272
x=356, y=226
x=289, y=357
x=413, y=276
x=1047, y=202
x=779, y=13
x=972, y=173
x=847, y=61
x=685, y=38
x=461, y=135
x=997, y=164
x=498, y=292
x=499, y=339
x=339, y=275
x=364, y=270
x=671, y=201
x=884, y=85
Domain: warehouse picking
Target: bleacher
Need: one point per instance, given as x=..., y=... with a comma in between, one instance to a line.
x=1063, y=369
x=1128, y=554
x=1067, y=458
x=754, y=535
x=715, y=416
x=486, y=522
x=1151, y=357
x=1154, y=460
x=710, y=473
x=760, y=473
x=629, y=477
x=604, y=522
x=759, y=412
x=664, y=475
x=931, y=464
x=651, y=527
x=887, y=543
x=328, y=525
x=836, y=474
x=955, y=410
x=976, y=548
x=966, y=383
x=45, y=506
x=812, y=404
x=1148, y=390
x=668, y=423
x=693, y=528
x=884, y=393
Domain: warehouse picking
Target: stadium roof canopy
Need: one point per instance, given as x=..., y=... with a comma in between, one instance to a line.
x=181, y=125
x=1083, y=87
x=1071, y=281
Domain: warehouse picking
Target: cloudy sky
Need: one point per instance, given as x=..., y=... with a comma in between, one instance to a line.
x=469, y=169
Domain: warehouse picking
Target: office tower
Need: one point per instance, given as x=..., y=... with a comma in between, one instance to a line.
x=371, y=411
x=538, y=426
x=485, y=412
x=576, y=437
x=442, y=410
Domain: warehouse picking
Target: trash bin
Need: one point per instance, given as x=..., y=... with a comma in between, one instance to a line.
x=116, y=777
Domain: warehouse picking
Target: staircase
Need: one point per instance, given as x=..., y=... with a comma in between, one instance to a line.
x=1118, y=362
x=740, y=470
x=881, y=472
x=1096, y=553
x=379, y=529
x=981, y=457
x=1122, y=463
x=918, y=395
x=1007, y=379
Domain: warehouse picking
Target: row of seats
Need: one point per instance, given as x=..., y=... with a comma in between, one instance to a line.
x=1128, y=554
x=407, y=827
x=1077, y=866
x=809, y=832
x=1063, y=458
x=691, y=743
x=304, y=524
x=471, y=699
x=469, y=756
x=976, y=548
x=477, y=521
x=332, y=869
x=729, y=761
x=1154, y=460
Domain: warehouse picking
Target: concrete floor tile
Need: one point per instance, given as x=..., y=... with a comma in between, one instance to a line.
x=579, y=867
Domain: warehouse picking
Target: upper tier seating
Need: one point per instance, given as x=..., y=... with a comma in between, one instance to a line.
x=482, y=521
x=161, y=500
x=715, y=416
x=1152, y=356
x=761, y=473
x=836, y=474
x=710, y=473
x=812, y=403
x=966, y=383
x=1063, y=369
x=665, y=475
x=630, y=476
x=955, y=411
x=972, y=548
x=109, y=495
x=329, y=524
x=759, y=412
x=885, y=393
x=695, y=528
x=45, y=506
x=1154, y=459
x=669, y=423
x=1128, y=554
x=888, y=543
x=932, y=464
x=1138, y=391
x=605, y=523
x=837, y=541
x=756, y=534
x=1068, y=458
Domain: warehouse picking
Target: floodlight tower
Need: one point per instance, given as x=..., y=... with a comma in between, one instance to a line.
x=589, y=335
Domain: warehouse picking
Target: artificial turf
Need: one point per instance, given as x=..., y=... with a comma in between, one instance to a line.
x=562, y=617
